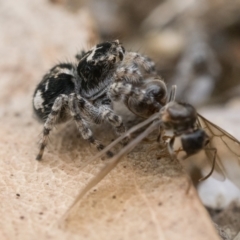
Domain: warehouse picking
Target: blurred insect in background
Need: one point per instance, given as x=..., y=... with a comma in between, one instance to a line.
x=85, y=91
x=195, y=132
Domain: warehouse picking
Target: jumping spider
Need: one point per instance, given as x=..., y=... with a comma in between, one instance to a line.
x=85, y=91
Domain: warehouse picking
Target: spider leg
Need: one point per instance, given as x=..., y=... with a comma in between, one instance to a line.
x=143, y=61
x=121, y=91
x=139, y=101
x=134, y=68
x=50, y=121
x=129, y=73
x=113, y=119
x=82, y=124
x=99, y=113
x=102, y=111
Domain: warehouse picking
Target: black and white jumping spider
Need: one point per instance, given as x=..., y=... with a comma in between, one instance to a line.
x=85, y=91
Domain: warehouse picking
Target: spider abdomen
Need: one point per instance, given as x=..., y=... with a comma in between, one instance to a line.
x=59, y=80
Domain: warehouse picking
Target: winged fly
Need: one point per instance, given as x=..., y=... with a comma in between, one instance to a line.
x=196, y=133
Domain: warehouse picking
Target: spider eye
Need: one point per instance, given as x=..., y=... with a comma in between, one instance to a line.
x=97, y=72
x=88, y=68
x=91, y=62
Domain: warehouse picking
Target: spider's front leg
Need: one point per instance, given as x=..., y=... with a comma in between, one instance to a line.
x=81, y=109
x=82, y=125
x=141, y=99
x=104, y=112
x=144, y=62
x=134, y=68
x=51, y=120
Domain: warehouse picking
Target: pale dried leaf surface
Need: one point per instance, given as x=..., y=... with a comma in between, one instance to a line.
x=143, y=198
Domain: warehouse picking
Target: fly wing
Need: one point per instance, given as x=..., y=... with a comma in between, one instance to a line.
x=111, y=165
x=127, y=134
x=228, y=151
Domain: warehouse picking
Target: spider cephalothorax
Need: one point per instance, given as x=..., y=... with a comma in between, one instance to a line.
x=97, y=67
x=85, y=91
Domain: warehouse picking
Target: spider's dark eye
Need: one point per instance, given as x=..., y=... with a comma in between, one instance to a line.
x=92, y=62
x=88, y=68
x=97, y=71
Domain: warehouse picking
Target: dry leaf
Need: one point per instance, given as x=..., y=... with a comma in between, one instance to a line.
x=143, y=198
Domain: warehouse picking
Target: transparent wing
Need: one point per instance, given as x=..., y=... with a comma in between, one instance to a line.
x=154, y=120
x=111, y=165
x=228, y=150
x=154, y=117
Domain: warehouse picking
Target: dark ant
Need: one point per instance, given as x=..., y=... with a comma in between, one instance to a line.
x=195, y=131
